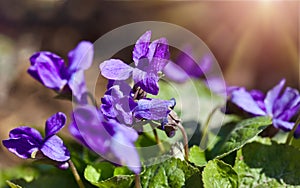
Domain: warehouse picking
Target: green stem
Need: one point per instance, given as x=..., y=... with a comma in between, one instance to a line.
x=159, y=143
x=76, y=175
x=185, y=141
x=137, y=181
x=291, y=134
x=206, y=124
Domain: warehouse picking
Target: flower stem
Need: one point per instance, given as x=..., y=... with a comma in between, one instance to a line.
x=76, y=175
x=137, y=181
x=205, y=130
x=291, y=134
x=185, y=141
x=160, y=145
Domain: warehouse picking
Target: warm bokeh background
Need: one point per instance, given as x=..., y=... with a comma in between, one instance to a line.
x=255, y=42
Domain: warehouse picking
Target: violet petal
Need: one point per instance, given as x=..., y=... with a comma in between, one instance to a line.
x=55, y=149
x=124, y=149
x=78, y=86
x=115, y=69
x=175, y=73
x=153, y=109
x=81, y=57
x=283, y=125
x=287, y=104
x=21, y=147
x=141, y=47
x=55, y=123
x=273, y=95
x=244, y=100
x=159, y=54
x=146, y=80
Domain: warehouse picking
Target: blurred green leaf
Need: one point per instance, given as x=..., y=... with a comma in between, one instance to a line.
x=197, y=156
x=21, y=172
x=235, y=137
x=106, y=175
x=12, y=185
x=219, y=174
x=268, y=164
x=170, y=173
x=49, y=179
x=92, y=174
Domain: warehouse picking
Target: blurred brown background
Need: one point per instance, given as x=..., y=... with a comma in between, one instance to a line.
x=255, y=42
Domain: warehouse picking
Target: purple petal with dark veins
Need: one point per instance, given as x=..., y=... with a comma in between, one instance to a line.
x=55, y=123
x=26, y=132
x=287, y=104
x=244, y=100
x=115, y=69
x=153, y=109
x=22, y=147
x=273, y=95
x=55, y=149
x=47, y=68
x=141, y=47
x=146, y=80
x=159, y=54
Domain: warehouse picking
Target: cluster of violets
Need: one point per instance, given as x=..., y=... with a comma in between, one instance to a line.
x=112, y=128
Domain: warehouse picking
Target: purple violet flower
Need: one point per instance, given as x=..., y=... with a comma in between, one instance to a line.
x=184, y=67
x=280, y=105
x=26, y=142
x=51, y=71
x=153, y=109
x=107, y=137
x=118, y=103
x=149, y=58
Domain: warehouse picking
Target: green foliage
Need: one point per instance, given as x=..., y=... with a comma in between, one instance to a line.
x=46, y=177
x=219, y=174
x=197, y=156
x=170, y=173
x=104, y=174
x=232, y=138
x=268, y=164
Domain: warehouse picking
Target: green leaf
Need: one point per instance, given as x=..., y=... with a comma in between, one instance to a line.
x=12, y=185
x=21, y=172
x=268, y=165
x=123, y=170
x=49, y=179
x=170, y=173
x=197, y=156
x=219, y=174
x=92, y=174
x=106, y=175
x=241, y=134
